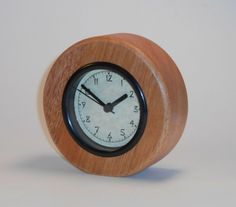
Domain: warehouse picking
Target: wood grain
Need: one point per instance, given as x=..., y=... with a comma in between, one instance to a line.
x=163, y=88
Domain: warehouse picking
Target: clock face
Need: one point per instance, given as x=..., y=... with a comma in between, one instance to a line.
x=104, y=109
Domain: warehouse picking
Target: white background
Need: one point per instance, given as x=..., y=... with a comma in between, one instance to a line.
x=199, y=35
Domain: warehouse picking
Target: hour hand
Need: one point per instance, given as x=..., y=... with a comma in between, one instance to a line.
x=109, y=106
x=99, y=101
x=117, y=101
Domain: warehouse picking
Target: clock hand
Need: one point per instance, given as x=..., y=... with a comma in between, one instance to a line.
x=105, y=107
x=117, y=101
x=87, y=96
x=109, y=106
x=93, y=95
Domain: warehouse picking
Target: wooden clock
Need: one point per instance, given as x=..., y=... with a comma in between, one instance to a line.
x=114, y=104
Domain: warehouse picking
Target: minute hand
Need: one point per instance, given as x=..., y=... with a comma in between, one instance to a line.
x=93, y=95
x=117, y=101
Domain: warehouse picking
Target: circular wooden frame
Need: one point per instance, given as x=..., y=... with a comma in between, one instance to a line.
x=160, y=81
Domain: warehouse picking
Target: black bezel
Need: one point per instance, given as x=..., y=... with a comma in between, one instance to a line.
x=69, y=115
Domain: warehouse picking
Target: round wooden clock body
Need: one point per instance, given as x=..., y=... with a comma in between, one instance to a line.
x=162, y=87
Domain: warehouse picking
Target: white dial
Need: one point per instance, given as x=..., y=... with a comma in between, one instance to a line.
x=106, y=108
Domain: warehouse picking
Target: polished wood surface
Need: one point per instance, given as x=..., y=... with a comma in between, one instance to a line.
x=163, y=88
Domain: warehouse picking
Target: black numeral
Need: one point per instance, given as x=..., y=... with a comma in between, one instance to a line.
x=121, y=82
x=95, y=80
x=96, y=129
x=87, y=119
x=83, y=104
x=108, y=77
x=131, y=95
x=136, y=109
x=122, y=132
x=109, y=137
x=132, y=123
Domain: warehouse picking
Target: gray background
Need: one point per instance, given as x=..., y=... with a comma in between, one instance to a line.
x=199, y=35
